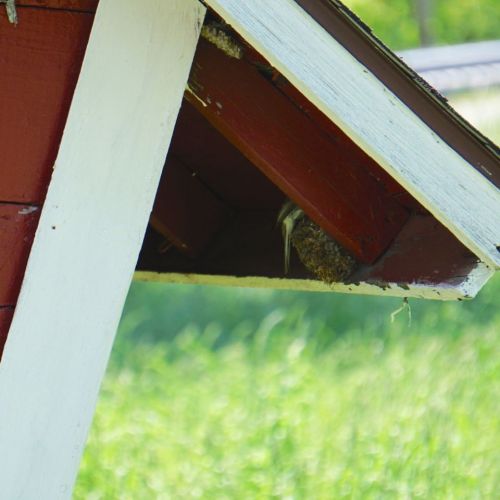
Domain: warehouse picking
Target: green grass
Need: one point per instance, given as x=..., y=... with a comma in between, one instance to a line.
x=298, y=396
x=452, y=22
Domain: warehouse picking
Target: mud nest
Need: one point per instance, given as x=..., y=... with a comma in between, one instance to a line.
x=320, y=253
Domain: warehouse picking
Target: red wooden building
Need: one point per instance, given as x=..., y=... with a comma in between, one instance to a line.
x=274, y=101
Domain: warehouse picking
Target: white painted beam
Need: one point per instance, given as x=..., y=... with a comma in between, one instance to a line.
x=382, y=125
x=463, y=289
x=90, y=233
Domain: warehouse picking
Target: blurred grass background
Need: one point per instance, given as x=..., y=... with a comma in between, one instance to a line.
x=221, y=393
x=451, y=21
x=241, y=394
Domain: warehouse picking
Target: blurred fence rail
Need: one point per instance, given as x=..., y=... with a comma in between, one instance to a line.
x=457, y=67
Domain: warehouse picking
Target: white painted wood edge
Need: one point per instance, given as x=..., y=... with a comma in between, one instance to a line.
x=89, y=236
x=373, y=117
x=465, y=290
x=475, y=280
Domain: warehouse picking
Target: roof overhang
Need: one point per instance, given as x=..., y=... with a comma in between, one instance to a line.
x=385, y=166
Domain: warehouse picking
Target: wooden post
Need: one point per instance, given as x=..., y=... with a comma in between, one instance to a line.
x=90, y=233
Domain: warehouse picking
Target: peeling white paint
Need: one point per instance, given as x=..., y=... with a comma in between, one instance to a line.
x=28, y=210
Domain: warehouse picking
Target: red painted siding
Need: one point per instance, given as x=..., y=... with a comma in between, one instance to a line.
x=40, y=62
x=17, y=228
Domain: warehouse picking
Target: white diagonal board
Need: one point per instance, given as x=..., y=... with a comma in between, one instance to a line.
x=90, y=233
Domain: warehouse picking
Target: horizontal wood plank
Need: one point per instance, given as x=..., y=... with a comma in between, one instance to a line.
x=40, y=62
x=336, y=192
x=17, y=229
x=368, y=112
x=470, y=287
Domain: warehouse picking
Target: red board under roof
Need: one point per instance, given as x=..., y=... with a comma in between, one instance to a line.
x=334, y=189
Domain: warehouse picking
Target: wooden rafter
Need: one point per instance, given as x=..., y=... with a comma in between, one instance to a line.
x=313, y=169
x=322, y=69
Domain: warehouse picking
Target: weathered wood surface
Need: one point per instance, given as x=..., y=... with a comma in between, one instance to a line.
x=382, y=125
x=40, y=62
x=17, y=229
x=336, y=191
x=90, y=233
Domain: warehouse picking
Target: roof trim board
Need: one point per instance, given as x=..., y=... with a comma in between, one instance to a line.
x=383, y=126
x=403, y=81
x=467, y=289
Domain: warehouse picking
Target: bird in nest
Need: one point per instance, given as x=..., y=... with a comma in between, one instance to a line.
x=316, y=249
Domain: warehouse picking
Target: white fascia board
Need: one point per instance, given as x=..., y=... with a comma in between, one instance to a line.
x=373, y=117
x=90, y=233
x=466, y=289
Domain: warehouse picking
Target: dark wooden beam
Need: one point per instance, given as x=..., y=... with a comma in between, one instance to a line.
x=308, y=166
x=347, y=149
